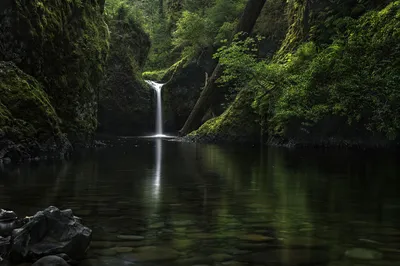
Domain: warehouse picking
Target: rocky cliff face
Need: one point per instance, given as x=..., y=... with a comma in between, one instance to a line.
x=125, y=100
x=184, y=82
x=29, y=125
x=52, y=58
x=55, y=68
x=64, y=45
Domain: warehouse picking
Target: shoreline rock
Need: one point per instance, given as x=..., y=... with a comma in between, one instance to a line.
x=51, y=235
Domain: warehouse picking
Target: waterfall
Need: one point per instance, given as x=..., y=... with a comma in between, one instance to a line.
x=159, y=120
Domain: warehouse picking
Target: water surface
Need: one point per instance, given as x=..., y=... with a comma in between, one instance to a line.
x=161, y=202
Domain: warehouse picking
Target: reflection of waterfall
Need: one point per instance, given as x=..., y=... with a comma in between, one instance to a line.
x=157, y=172
x=159, y=123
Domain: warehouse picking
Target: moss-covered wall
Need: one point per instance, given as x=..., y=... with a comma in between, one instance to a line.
x=335, y=79
x=239, y=123
x=28, y=121
x=186, y=79
x=64, y=45
x=320, y=21
x=125, y=99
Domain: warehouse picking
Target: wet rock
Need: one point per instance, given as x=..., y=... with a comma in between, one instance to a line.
x=305, y=242
x=232, y=263
x=389, y=231
x=198, y=260
x=182, y=223
x=203, y=236
x=363, y=254
x=151, y=253
x=89, y=262
x=51, y=260
x=256, y=238
x=7, y=216
x=237, y=251
x=105, y=252
x=111, y=244
x=105, y=261
x=287, y=257
x=102, y=244
x=182, y=244
x=6, y=160
x=4, y=247
x=50, y=232
x=370, y=241
x=157, y=225
x=122, y=249
x=8, y=222
x=257, y=246
x=382, y=263
x=220, y=257
x=130, y=237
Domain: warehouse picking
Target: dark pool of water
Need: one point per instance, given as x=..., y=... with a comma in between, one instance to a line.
x=160, y=202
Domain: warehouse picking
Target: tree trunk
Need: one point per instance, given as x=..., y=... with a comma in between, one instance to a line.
x=247, y=21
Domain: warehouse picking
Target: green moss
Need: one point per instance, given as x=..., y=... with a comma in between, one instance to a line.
x=238, y=123
x=64, y=45
x=156, y=75
x=342, y=92
x=25, y=109
x=348, y=90
x=175, y=69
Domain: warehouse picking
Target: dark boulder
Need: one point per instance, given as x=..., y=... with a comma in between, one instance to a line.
x=51, y=260
x=125, y=101
x=8, y=222
x=4, y=247
x=50, y=232
x=7, y=216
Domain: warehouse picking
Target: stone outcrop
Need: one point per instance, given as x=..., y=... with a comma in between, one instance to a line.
x=50, y=235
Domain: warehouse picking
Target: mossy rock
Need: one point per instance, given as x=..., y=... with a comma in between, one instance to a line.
x=186, y=79
x=27, y=119
x=348, y=93
x=156, y=75
x=64, y=45
x=126, y=102
x=239, y=123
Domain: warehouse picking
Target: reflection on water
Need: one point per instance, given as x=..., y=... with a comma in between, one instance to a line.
x=157, y=173
x=191, y=204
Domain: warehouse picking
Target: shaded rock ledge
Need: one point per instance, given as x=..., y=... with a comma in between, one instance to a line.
x=50, y=235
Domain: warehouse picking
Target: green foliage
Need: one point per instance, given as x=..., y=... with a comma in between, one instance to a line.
x=240, y=61
x=156, y=75
x=353, y=82
x=192, y=34
x=200, y=24
x=355, y=79
x=224, y=11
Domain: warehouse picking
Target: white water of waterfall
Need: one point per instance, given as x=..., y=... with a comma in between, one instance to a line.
x=159, y=120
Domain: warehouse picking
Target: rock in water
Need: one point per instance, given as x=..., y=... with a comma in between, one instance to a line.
x=50, y=232
x=8, y=222
x=363, y=254
x=4, y=247
x=51, y=260
x=7, y=216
